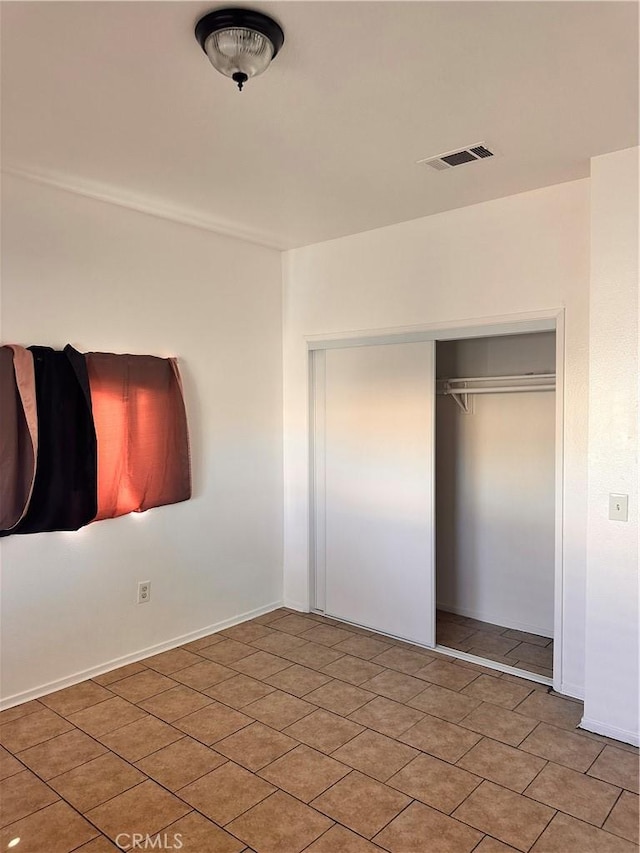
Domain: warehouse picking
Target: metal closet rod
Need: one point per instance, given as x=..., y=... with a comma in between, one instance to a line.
x=503, y=389
x=501, y=378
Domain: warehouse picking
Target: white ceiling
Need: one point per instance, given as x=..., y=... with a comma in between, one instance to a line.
x=118, y=99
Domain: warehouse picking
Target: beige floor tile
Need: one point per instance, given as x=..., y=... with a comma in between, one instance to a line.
x=261, y=664
x=361, y=803
x=366, y=647
x=273, y=615
x=376, y=755
x=574, y=793
x=54, y=829
x=61, y=753
x=202, y=676
x=490, y=845
x=141, y=686
x=498, y=723
x=530, y=653
x=175, y=703
x=624, y=818
x=326, y=635
x=146, y=809
x=440, y=738
x=404, y=660
x=118, y=674
x=386, y=716
x=452, y=635
x=277, y=642
x=354, y=670
x=421, y=829
x=22, y=794
x=199, y=835
x=618, y=767
x=567, y=835
x=180, y=763
x=247, y=632
x=212, y=723
x=312, y=655
x=279, y=709
x=341, y=840
x=106, y=716
x=524, y=637
x=226, y=792
x=504, y=815
x=9, y=765
x=323, y=730
x=446, y=704
x=203, y=642
x=298, y=680
x=435, y=783
x=96, y=781
x=395, y=685
x=279, y=823
x=239, y=691
x=562, y=747
x=226, y=651
x=23, y=732
x=491, y=642
x=446, y=674
x=101, y=844
x=138, y=739
x=304, y=772
x=503, y=764
x=172, y=661
x=22, y=710
x=293, y=624
x=559, y=712
x=339, y=697
x=75, y=698
x=497, y=691
x=255, y=746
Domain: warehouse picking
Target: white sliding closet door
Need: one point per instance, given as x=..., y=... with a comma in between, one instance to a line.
x=376, y=475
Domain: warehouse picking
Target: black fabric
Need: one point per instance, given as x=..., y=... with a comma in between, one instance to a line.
x=65, y=489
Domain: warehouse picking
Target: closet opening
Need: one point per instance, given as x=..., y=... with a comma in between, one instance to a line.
x=495, y=495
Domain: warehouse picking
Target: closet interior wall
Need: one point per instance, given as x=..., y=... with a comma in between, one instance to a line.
x=495, y=469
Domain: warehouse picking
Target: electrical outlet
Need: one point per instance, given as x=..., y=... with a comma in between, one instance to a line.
x=144, y=592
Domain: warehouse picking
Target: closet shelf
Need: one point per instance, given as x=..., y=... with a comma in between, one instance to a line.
x=460, y=388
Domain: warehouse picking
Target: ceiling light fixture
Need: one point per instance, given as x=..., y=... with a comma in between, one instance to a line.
x=240, y=43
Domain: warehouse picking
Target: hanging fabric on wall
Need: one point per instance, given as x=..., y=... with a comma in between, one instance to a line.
x=18, y=434
x=64, y=491
x=141, y=425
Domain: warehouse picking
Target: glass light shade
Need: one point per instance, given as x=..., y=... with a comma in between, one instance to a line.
x=239, y=51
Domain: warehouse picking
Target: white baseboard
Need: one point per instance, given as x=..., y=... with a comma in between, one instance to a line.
x=614, y=732
x=68, y=681
x=575, y=691
x=296, y=605
x=491, y=619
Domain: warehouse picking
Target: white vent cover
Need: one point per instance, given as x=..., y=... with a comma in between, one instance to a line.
x=451, y=159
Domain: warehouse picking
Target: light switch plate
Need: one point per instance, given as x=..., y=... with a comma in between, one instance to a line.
x=619, y=507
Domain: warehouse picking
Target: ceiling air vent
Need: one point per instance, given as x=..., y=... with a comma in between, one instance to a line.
x=458, y=158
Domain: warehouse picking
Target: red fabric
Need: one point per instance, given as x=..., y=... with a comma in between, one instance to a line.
x=141, y=427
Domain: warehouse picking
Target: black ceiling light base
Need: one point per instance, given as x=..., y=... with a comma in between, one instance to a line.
x=240, y=78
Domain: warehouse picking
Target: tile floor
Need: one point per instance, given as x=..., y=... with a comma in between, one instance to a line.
x=292, y=733
x=514, y=648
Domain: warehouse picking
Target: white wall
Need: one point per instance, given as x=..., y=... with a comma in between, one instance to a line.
x=495, y=486
x=528, y=252
x=611, y=700
x=105, y=278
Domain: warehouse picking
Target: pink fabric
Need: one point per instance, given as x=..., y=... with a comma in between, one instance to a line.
x=18, y=434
